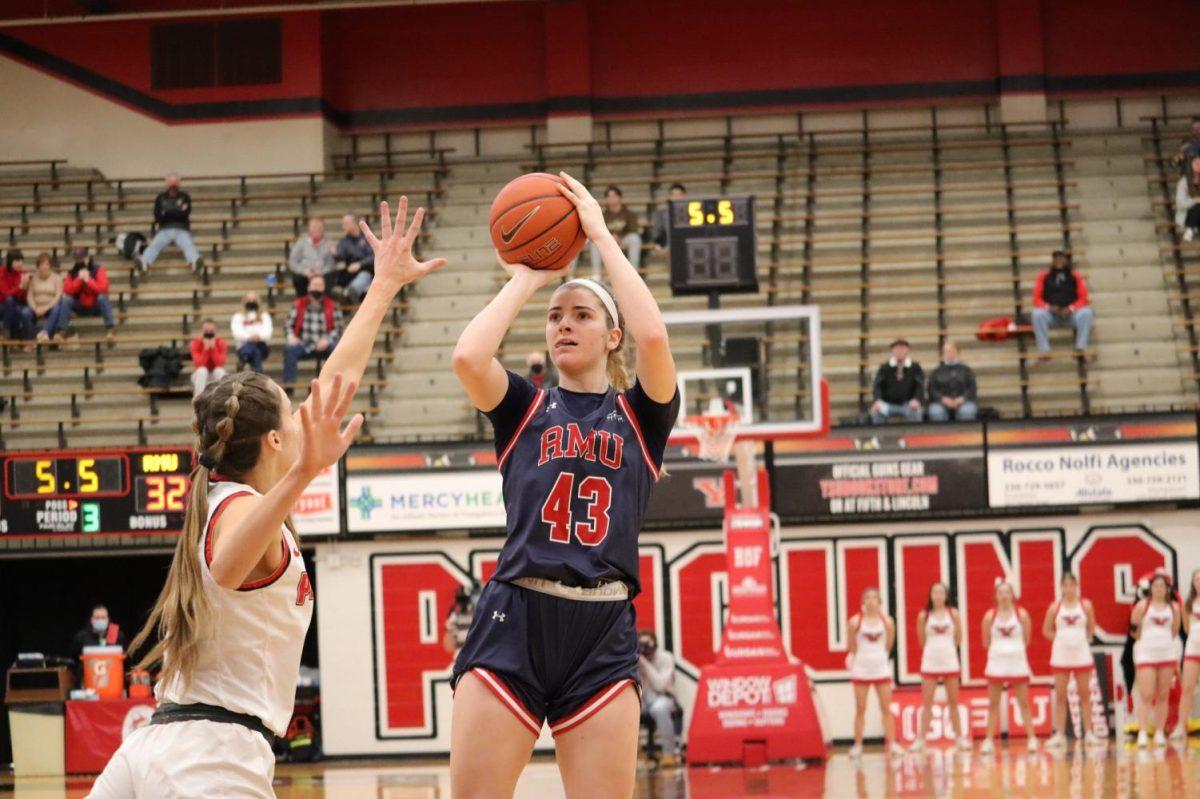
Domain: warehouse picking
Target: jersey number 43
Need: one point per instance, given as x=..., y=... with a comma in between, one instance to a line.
x=556, y=510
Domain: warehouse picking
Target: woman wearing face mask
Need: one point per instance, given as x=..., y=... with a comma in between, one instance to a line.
x=208, y=357
x=1155, y=658
x=1190, y=621
x=554, y=637
x=939, y=632
x=251, y=328
x=872, y=635
x=230, y=621
x=1007, y=630
x=1070, y=623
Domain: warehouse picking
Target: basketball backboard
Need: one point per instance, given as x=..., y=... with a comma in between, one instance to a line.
x=763, y=363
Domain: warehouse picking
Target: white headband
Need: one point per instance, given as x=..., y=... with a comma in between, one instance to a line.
x=605, y=298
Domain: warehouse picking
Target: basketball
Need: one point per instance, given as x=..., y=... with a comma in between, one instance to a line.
x=533, y=224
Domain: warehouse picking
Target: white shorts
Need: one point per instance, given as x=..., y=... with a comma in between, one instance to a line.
x=869, y=669
x=1191, y=651
x=1071, y=656
x=940, y=660
x=188, y=759
x=1160, y=654
x=1007, y=666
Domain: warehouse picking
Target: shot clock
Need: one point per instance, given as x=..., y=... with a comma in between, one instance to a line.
x=94, y=491
x=712, y=245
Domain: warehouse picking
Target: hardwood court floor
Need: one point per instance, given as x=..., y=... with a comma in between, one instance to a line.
x=1116, y=773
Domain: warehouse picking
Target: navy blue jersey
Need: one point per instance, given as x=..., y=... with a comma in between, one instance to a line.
x=578, y=469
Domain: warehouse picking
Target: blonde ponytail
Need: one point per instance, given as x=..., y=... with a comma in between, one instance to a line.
x=618, y=374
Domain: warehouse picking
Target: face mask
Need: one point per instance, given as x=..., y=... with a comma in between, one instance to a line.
x=316, y=295
x=537, y=368
x=252, y=307
x=210, y=333
x=99, y=626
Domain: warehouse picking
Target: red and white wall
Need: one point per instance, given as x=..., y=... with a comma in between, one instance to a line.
x=382, y=604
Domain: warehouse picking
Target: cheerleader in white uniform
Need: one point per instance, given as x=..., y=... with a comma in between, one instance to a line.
x=1190, y=619
x=231, y=619
x=939, y=632
x=1006, y=633
x=1156, y=657
x=1070, y=624
x=872, y=634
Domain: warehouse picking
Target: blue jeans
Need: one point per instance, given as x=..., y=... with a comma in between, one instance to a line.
x=1044, y=319
x=60, y=315
x=294, y=353
x=254, y=353
x=966, y=412
x=16, y=319
x=888, y=410
x=356, y=289
x=171, y=235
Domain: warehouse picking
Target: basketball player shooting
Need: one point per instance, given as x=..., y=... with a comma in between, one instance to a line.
x=554, y=636
x=233, y=614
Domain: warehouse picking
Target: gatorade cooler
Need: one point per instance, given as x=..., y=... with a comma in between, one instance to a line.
x=104, y=671
x=139, y=684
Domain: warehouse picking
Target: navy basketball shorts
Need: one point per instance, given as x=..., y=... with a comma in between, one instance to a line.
x=548, y=658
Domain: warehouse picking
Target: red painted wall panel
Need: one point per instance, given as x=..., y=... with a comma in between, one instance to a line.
x=1104, y=37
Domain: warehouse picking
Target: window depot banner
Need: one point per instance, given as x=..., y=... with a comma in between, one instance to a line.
x=1142, y=459
x=428, y=500
x=318, y=511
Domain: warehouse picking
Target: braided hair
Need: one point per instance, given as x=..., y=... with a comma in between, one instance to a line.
x=230, y=418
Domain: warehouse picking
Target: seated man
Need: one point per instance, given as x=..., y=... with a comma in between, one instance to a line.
x=251, y=328
x=16, y=318
x=899, y=387
x=172, y=215
x=313, y=327
x=662, y=223
x=355, y=260
x=208, y=357
x=952, y=388
x=312, y=254
x=1189, y=148
x=623, y=223
x=85, y=292
x=1060, y=299
x=656, y=673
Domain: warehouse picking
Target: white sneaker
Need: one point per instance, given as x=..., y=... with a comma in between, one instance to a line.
x=1143, y=740
x=855, y=752
x=964, y=744
x=987, y=747
x=1189, y=234
x=1160, y=739
x=1180, y=732
x=1056, y=741
x=1032, y=745
x=918, y=746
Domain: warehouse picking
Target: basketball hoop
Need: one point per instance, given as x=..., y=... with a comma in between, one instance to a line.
x=715, y=429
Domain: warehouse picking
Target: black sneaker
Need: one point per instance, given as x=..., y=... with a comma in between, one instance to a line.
x=198, y=264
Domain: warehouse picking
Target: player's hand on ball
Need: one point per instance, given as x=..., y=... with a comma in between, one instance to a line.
x=590, y=215
x=395, y=264
x=322, y=443
x=540, y=277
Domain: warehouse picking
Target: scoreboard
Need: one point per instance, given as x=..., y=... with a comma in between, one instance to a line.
x=713, y=245
x=94, y=491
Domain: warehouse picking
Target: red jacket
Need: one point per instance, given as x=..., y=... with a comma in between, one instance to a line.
x=327, y=305
x=209, y=358
x=1039, y=291
x=10, y=284
x=86, y=291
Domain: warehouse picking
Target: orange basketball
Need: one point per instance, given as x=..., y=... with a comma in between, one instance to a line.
x=533, y=224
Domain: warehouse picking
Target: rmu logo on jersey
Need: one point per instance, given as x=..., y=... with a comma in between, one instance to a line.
x=570, y=442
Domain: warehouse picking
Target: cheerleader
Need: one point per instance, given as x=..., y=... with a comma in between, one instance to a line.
x=1155, y=658
x=1006, y=633
x=939, y=632
x=872, y=634
x=1190, y=619
x=1070, y=624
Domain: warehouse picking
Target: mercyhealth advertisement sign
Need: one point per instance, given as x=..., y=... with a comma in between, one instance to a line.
x=1135, y=459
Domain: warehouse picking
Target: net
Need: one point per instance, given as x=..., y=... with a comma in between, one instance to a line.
x=715, y=429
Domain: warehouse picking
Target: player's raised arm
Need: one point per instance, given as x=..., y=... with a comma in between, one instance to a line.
x=474, y=356
x=643, y=320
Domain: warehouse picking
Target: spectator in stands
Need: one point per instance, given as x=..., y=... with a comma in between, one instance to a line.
x=952, y=388
x=1189, y=148
x=313, y=327
x=540, y=374
x=45, y=292
x=662, y=223
x=899, y=387
x=623, y=223
x=458, y=621
x=311, y=255
x=1060, y=299
x=355, y=260
x=251, y=328
x=656, y=673
x=208, y=357
x=85, y=292
x=172, y=215
x=1187, y=201
x=16, y=320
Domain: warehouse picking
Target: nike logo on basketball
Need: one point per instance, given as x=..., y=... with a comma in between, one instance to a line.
x=507, y=235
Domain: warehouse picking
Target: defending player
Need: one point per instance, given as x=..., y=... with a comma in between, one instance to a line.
x=1070, y=623
x=554, y=637
x=1006, y=633
x=939, y=632
x=232, y=616
x=872, y=635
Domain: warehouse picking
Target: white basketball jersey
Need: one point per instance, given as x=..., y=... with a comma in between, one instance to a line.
x=250, y=660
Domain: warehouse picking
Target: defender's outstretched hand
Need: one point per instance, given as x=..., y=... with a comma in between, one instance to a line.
x=322, y=443
x=590, y=215
x=395, y=264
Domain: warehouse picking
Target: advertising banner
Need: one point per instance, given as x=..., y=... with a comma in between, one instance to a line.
x=866, y=472
x=96, y=729
x=318, y=510
x=1129, y=459
x=430, y=500
x=972, y=713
